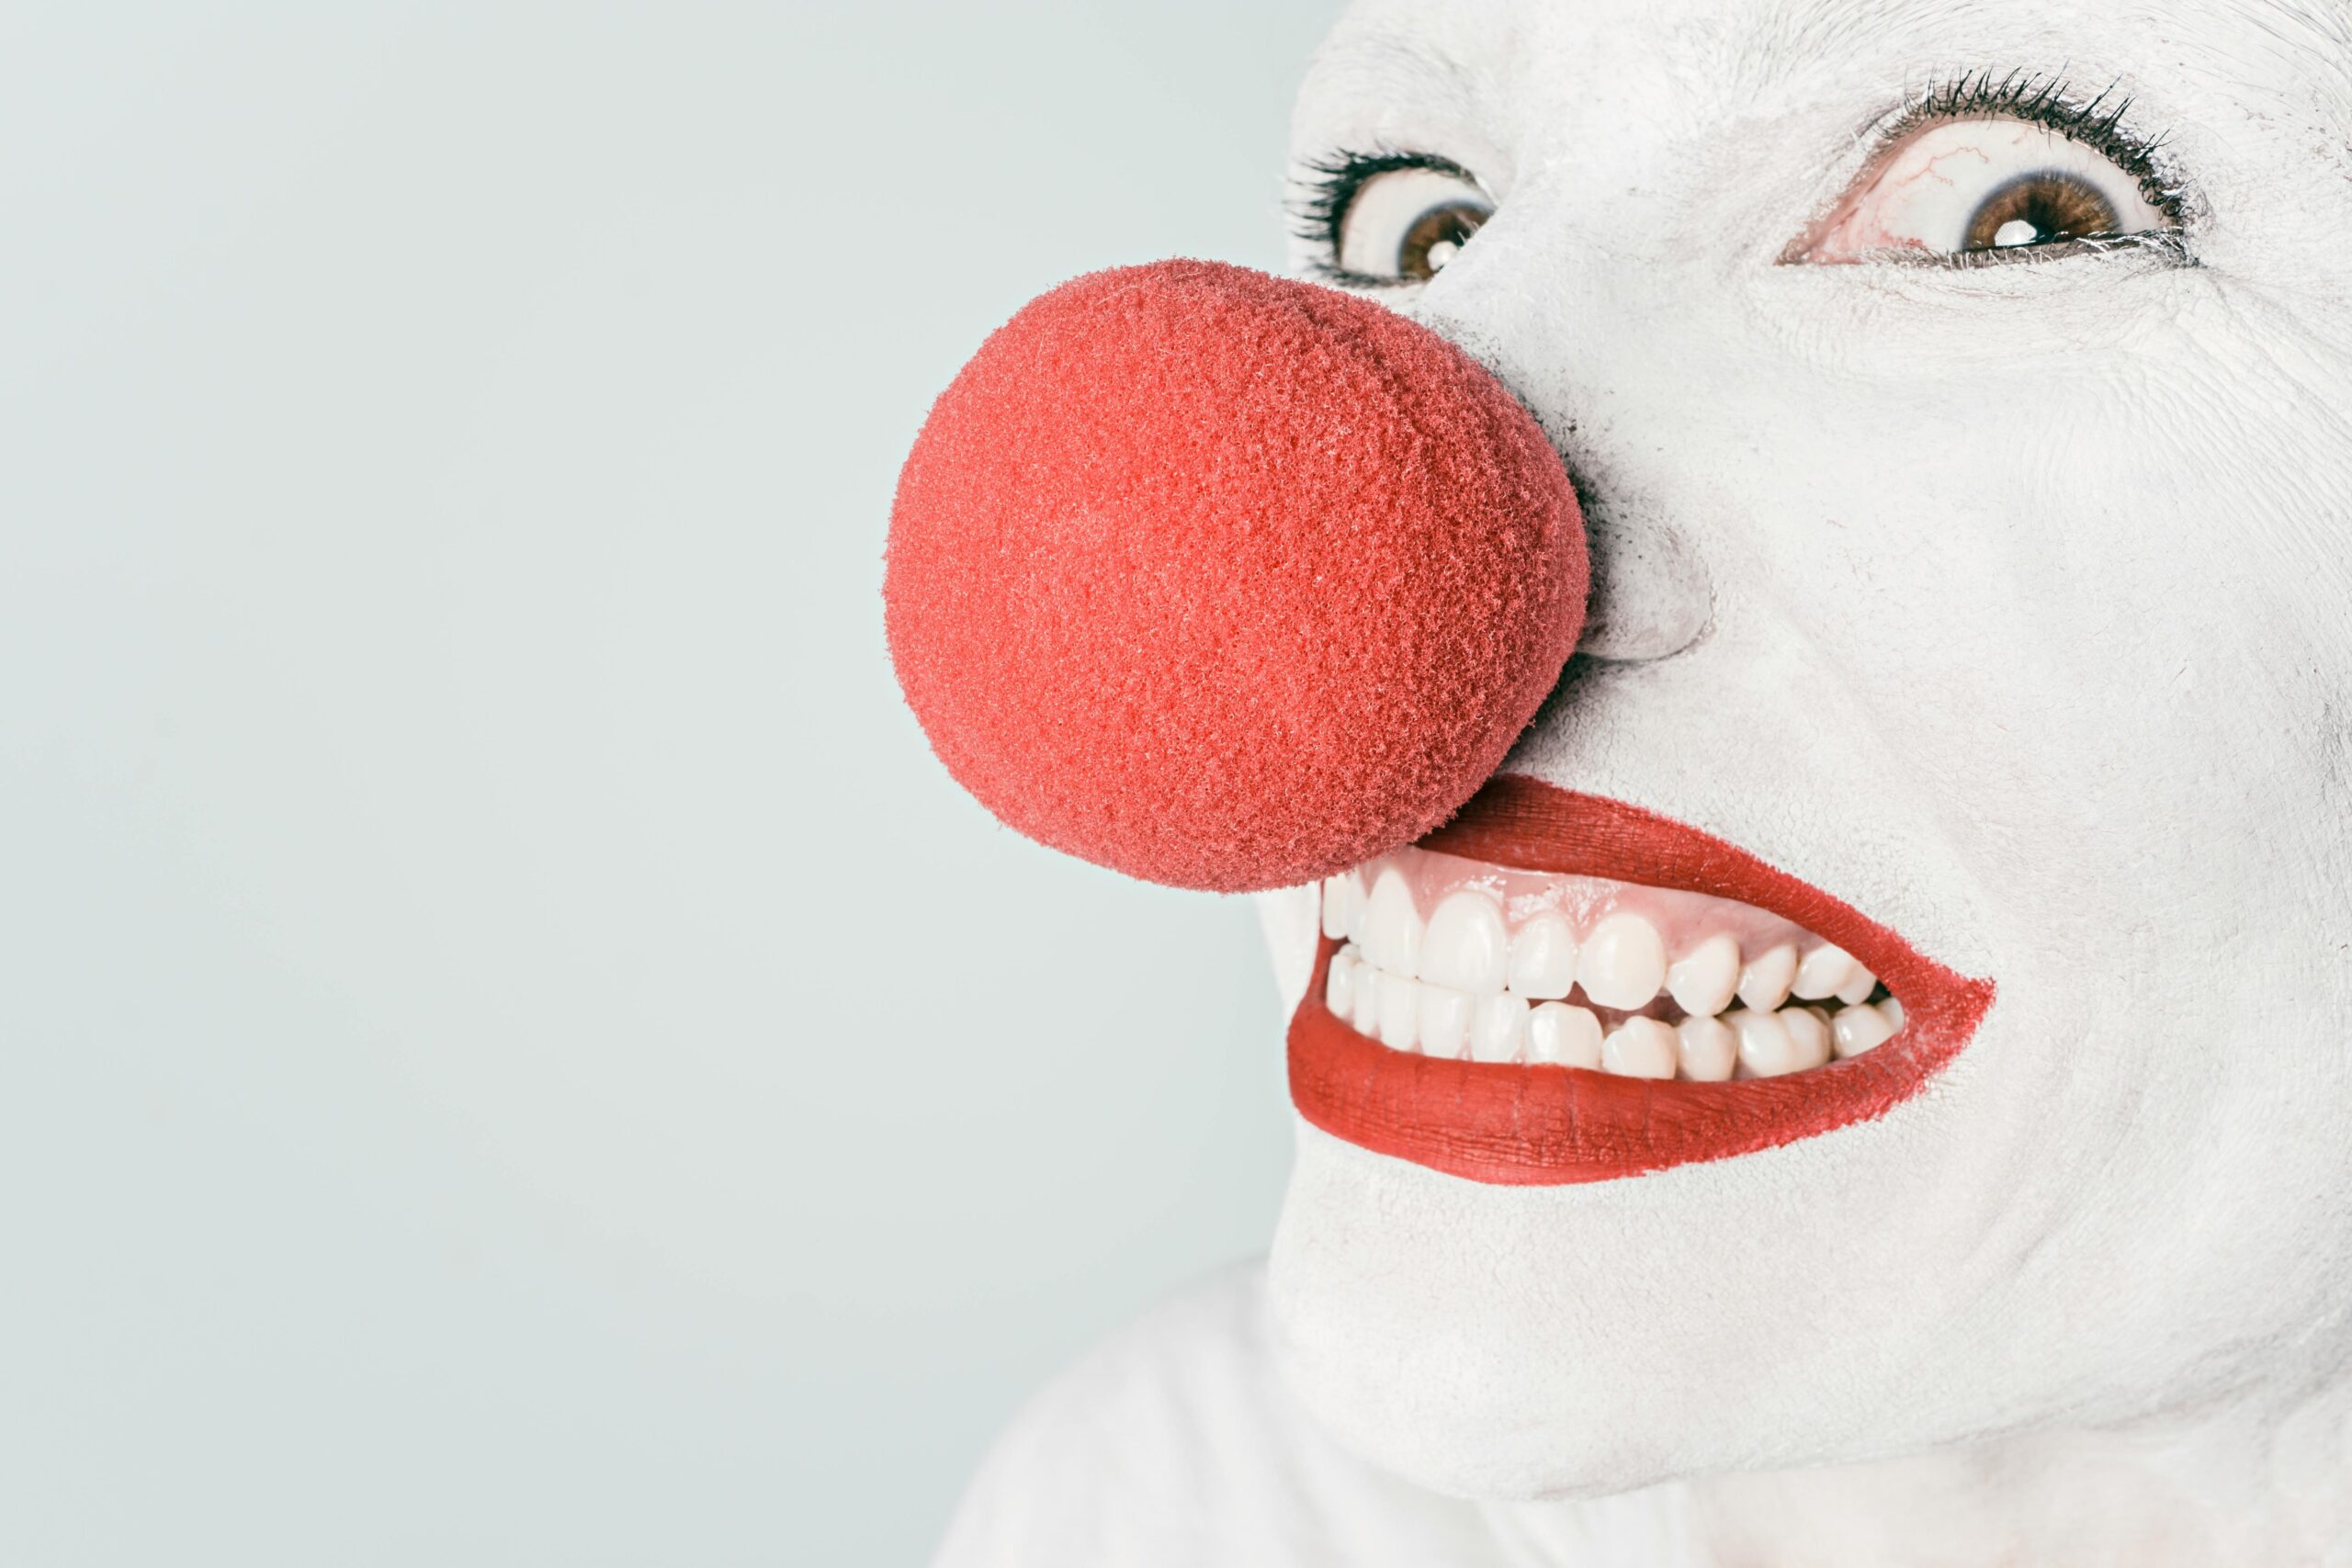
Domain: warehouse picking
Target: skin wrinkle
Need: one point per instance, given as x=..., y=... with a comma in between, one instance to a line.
x=2306, y=31
x=2025, y=636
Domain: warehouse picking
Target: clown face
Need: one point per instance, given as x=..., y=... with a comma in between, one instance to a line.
x=1951, y=780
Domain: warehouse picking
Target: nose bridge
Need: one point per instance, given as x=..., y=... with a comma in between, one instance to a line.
x=1580, y=350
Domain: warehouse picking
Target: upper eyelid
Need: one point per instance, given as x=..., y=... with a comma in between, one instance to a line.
x=2098, y=122
x=1330, y=183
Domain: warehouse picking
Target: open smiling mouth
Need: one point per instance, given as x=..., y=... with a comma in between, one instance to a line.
x=1555, y=988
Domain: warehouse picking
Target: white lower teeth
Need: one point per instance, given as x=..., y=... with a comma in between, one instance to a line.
x=1808, y=1033
x=1765, y=1048
x=1338, y=985
x=1640, y=1048
x=1499, y=1030
x=1859, y=1028
x=1444, y=1021
x=1400, y=1011
x=1707, y=1049
x=1366, y=1000
x=1564, y=1037
x=1772, y=1045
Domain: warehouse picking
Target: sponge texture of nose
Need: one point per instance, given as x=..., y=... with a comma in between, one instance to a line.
x=1227, y=582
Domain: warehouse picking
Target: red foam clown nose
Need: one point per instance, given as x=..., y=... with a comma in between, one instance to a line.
x=1227, y=582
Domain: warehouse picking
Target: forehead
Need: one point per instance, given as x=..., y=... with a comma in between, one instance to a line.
x=1744, y=57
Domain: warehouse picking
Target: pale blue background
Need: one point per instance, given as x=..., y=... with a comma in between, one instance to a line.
x=510, y=1050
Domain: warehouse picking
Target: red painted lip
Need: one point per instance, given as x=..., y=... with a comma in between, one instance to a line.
x=1546, y=1126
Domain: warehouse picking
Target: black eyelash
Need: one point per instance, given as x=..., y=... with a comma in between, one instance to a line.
x=1325, y=188
x=2097, y=122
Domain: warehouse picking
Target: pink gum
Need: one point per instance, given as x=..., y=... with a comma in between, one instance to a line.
x=1683, y=919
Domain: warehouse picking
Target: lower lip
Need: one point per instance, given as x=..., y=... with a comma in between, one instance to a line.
x=1549, y=1126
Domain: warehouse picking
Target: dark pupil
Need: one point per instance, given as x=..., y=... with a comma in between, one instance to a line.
x=1443, y=229
x=2059, y=206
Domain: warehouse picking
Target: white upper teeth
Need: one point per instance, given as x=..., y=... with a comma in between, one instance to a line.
x=1764, y=982
x=1543, y=958
x=1466, y=946
x=1703, y=980
x=1392, y=929
x=1623, y=962
x=1820, y=973
x=1342, y=906
x=1521, y=966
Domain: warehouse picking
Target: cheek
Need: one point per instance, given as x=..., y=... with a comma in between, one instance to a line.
x=2094, y=630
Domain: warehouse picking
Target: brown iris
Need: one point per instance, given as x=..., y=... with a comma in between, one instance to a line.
x=2054, y=205
x=1436, y=237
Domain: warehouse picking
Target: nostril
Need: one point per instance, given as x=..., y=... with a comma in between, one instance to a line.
x=1651, y=596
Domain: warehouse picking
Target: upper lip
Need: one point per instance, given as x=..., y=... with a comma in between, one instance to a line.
x=1508, y=1123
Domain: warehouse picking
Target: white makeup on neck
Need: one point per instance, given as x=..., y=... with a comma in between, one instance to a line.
x=1958, y=394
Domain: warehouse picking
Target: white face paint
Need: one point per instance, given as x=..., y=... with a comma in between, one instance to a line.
x=2005, y=603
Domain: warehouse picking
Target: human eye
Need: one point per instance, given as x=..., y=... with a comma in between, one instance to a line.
x=2007, y=170
x=1390, y=219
